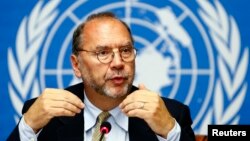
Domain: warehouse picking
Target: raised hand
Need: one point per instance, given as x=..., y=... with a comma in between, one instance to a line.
x=52, y=103
x=149, y=106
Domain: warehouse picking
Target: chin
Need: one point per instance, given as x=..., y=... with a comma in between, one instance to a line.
x=116, y=93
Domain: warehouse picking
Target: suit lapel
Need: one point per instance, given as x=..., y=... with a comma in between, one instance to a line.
x=140, y=131
x=72, y=128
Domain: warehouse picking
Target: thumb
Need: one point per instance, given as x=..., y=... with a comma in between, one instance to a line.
x=142, y=87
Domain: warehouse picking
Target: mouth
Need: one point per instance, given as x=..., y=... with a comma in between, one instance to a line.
x=118, y=80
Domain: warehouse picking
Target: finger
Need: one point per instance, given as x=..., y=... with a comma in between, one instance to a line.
x=66, y=105
x=138, y=96
x=53, y=108
x=55, y=112
x=133, y=97
x=132, y=106
x=63, y=95
x=140, y=113
x=142, y=87
x=73, y=99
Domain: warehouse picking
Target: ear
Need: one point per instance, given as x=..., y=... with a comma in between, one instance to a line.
x=75, y=65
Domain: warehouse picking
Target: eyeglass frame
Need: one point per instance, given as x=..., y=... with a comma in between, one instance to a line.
x=97, y=53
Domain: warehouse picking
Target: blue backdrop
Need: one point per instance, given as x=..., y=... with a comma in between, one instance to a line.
x=194, y=51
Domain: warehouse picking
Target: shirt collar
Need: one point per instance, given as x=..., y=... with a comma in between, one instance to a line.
x=119, y=118
x=91, y=112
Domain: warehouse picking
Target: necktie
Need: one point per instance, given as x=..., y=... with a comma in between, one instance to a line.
x=101, y=118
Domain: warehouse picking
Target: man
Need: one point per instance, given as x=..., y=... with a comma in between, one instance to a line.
x=103, y=56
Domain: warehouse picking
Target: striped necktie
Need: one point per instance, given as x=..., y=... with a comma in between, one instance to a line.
x=101, y=118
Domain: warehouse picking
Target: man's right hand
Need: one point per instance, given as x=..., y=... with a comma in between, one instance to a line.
x=52, y=103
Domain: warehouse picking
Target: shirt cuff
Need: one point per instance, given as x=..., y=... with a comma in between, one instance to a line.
x=173, y=135
x=26, y=133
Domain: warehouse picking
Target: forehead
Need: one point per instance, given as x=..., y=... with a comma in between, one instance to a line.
x=103, y=22
x=106, y=31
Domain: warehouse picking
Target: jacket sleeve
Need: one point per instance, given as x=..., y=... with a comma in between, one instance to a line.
x=14, y=135
x=181, y=113
x=185, y=121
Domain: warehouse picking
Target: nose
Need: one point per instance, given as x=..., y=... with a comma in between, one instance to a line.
x=117, y=61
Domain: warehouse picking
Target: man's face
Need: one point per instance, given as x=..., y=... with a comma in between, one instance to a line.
x=112, y=79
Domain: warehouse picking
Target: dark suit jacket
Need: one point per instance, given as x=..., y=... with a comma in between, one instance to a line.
x=72, y=128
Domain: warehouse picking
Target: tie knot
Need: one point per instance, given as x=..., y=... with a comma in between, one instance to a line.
x=103, y=116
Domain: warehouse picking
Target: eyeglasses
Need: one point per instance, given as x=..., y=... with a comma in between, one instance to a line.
x=106, y=55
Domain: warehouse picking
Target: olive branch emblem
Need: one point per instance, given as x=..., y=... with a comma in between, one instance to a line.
x=230, y=89
x=23, y=62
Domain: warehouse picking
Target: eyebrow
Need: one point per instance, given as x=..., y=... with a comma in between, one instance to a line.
x=119, y=46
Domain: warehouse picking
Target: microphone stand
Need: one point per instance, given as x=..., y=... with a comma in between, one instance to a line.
x=101, y=137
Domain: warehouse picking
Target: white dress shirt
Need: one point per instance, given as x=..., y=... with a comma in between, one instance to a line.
x=118, y=120
x=119, y=123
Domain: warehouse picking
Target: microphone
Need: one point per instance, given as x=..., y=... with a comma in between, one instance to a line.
x=105, y=128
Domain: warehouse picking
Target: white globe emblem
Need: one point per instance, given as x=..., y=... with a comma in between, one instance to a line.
x=175, y=57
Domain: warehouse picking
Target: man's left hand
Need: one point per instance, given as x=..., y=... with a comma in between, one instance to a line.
x=149, y=106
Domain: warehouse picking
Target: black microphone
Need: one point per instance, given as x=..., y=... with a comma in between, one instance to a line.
x=105, y=128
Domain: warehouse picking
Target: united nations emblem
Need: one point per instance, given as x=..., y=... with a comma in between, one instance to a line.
x=191, y=55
